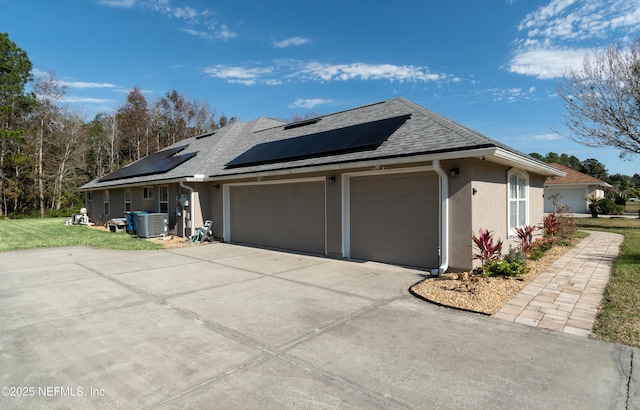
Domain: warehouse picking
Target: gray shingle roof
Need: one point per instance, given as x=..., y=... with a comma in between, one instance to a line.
x=424, y=133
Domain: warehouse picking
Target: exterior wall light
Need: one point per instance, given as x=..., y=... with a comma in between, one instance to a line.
x=454, y=172
x=331, y=180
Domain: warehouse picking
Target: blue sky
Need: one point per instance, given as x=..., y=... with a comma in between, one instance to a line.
x=491, y=65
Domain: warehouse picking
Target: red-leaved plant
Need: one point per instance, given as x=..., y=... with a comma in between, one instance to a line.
x=525, y=234
x=551, y=225
x=488, y=250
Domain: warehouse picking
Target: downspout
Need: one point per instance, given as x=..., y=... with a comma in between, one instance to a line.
x=444, y=218
x=191, y=205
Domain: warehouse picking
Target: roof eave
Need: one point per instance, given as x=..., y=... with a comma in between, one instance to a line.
x=506, y=157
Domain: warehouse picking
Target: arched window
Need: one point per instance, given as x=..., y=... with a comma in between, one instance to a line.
x=518, y=187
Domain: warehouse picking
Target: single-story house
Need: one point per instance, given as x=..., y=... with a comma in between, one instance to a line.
x=391, y=182
x=572, y=190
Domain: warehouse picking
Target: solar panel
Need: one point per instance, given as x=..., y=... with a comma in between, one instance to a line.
x=156, y=163
x=355, y=138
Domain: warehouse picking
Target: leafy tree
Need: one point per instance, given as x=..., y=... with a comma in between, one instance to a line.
x=602, y=100
x=537, y=156
x=15, y=73
x=553, y=157
x=570, y=161
x=594, y=168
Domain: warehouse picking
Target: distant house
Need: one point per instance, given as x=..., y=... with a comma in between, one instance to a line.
x=390, y=182
x=572, y=190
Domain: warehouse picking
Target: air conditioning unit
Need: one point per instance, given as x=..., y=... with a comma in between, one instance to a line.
x=153, y=225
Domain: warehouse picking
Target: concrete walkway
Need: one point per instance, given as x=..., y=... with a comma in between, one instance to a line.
x=566, y=296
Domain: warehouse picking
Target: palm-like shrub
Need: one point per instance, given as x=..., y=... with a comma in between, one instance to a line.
x=525, y=234
x=488, y=249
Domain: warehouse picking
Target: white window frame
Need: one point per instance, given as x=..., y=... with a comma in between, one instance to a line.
x=127, y=200
x=147, y=193
x=165, y=201
x=105, y=202
x=518, y=200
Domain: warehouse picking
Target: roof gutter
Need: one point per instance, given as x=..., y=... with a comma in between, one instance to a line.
x=444, y=218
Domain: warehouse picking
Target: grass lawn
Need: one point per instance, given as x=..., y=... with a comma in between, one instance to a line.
x=632, y=207
x=619, y=318
x=49, y=232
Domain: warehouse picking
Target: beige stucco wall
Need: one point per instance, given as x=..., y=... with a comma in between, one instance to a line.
x=468, y=211
x=116, y=203
x=460, y=213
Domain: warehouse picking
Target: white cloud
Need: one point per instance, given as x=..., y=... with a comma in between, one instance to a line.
x=361, y=71
x=556, y=37
x=241, y=75
x=198, y=22
x=185, y=12
x=547, y=137
x=125, y=4
x=224, y=33
x=274, y=75
x=546, y=64
x=293, y=41
x=310, y=103
x=85, y=100
x=86, y=84
x=511, y=95
x=196, y=33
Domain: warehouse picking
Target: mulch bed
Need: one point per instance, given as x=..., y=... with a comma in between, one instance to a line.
x=472, y=292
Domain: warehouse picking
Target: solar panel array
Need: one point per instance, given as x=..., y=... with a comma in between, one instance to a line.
x=156, y=163
x=354, y=138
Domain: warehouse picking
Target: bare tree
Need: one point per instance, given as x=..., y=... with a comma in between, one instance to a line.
x=603, y=99
x=70, y=146
x=134, y=120
x=176, y=113
x=49, y=93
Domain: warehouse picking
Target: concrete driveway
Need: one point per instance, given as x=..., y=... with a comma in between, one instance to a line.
x=224, y=326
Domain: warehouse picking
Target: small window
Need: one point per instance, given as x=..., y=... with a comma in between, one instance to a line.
x=127, y=200
x=163, y=198
x=518, y=186
x=147, y=192
x=105, y=199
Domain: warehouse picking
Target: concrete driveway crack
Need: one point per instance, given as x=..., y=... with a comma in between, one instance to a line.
x=629, y=381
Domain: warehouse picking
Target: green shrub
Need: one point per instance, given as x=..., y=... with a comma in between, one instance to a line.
x=540, y=247
x=515, y=255
x=504, y=268
x=606, y=205
x=563, y=242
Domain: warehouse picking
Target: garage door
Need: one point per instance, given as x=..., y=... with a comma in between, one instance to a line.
x=572, y=197
x=288, y=216
x=394, y=218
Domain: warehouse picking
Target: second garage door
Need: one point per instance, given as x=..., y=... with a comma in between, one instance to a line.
x=394, y=218
x=288, y=215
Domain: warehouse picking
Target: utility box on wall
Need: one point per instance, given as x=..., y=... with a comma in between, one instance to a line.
x=153, y=225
